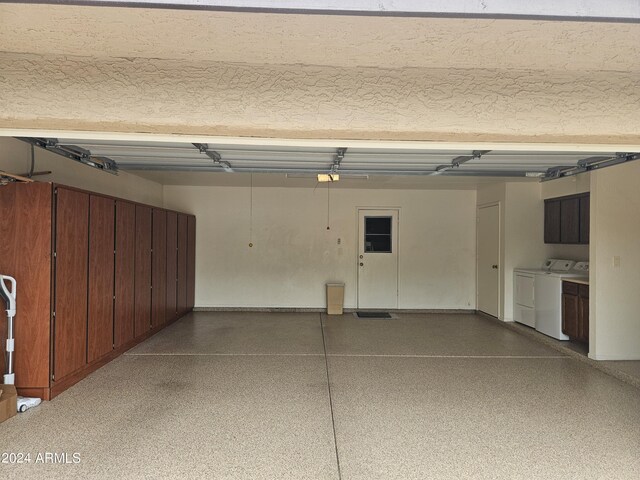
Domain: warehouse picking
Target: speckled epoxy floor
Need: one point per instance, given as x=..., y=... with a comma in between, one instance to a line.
x=305, y=396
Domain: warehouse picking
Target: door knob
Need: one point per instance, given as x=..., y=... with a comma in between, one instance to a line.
x=361, y=264
x=361, y=256
x=495, y=267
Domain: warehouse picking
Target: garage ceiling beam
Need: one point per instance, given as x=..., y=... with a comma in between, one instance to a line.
x=566, y=10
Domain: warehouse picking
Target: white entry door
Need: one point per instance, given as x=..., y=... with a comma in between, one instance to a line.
x=377, y=259
x=488, y=251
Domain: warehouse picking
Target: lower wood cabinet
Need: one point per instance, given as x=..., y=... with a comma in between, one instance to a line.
x=575, y=311
x=86, y=266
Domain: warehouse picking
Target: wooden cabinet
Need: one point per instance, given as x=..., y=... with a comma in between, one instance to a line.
x=570, y=220
x=182, y=263
x=143, y=270
x=585, y=222
x=583, y=313
x=552, y=221
x=191, y=261
x=575, y=311
x=101, y=275
x=26, y=254
x=71, y=255
x=159, y=268
x=566, y=219
x=86, y=266
x=125, y=237
x=171, y=307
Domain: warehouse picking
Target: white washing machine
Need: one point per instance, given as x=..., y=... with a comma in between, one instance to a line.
x=538, y=295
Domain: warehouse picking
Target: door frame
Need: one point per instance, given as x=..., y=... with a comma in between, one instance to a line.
x=500, y=259
x=357, y=260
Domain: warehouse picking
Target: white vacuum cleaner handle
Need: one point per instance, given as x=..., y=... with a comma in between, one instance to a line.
x=9, y=295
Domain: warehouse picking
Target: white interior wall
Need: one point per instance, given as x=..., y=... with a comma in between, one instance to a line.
x=615, y=230
x=294, y=254
x=15, y=157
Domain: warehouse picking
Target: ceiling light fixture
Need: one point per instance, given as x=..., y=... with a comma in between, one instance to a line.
x=328, y=177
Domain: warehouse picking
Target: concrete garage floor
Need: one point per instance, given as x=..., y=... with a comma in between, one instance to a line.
x=276, y=396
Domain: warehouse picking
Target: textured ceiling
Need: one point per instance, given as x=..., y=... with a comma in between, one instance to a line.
x=318, y=40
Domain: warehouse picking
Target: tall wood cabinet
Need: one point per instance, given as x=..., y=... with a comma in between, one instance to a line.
x=143, y=270
x=101, y=276
x=171, y=306
x=125, y=248
x=159, y=268
x=95, y=275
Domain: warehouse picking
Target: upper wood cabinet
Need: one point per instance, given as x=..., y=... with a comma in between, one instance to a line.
x=566, y=219
x=552, y=221
x=585, y=222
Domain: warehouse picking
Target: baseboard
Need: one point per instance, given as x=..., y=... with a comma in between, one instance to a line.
x=323, y=310
x=38, y=392
x=614, y=357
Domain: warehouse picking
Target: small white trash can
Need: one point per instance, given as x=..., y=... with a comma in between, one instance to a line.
x=335, y=298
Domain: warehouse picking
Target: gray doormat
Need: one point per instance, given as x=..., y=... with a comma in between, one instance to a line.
x=373, y=314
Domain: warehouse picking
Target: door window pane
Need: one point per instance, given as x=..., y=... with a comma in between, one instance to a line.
x=377, y=234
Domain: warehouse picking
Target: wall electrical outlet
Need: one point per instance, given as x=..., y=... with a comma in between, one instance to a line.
x=339, y=241
x=616, y=261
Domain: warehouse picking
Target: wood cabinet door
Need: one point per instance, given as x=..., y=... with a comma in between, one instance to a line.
x=26, y=254
x=143, y=270
x=585, y=219
x=171, y=308
x=101, y=275
x=71, y=263
x=583, y=313
x=159, y=275
x=570, y=220
x=191, y=261
x=182, y=263
x=552, y=221
x=125, y=246
x=570, y=311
